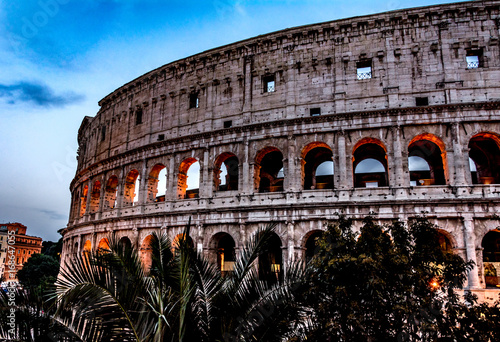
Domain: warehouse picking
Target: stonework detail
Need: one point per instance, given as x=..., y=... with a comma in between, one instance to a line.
x=395, y=114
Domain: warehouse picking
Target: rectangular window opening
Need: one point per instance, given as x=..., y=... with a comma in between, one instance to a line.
x=103, y=133
x=138, y=117
x=269, y=84
x=364, y=69
x=161, y=137
x=194, y=101
x=422, y=101
x=228, y=124
x=474, y=58
x=315, y=111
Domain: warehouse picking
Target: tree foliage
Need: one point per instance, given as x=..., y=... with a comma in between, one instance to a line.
x=39, y=271
x=109, y=296
x=391, y=283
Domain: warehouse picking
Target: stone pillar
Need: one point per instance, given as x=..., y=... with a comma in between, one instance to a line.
x=120, y=192
x=292, y=173
x=398, y=178
x=143, y=184
x=102, y=197
x=459, y=157
x=247, y=99
x=470, y=246
x=171, y=191
x=246, y=172
x=291, y=240
x=206, y=183
x=199, y=238
x=89, y=196
x=341, y=152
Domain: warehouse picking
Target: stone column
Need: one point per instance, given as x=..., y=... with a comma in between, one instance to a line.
x=291, y=240
x=102, y=197
x=247, y=176
x=293, y=181
x=341, y=151
x=143, y=184
x=89, y=196
x=470, y=246
x=247, y=99
x=206, y=184
x=459, y=157
x=120, y=191
x=398, y=176
x=171, y=191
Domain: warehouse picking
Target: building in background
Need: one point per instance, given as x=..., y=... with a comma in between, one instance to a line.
x=3, y=249
x=24, y=247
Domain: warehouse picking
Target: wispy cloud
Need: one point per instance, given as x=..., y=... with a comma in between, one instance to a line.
x=38, y=94
x=53, y=215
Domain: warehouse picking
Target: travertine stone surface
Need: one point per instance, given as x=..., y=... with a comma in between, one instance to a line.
x=414, y=53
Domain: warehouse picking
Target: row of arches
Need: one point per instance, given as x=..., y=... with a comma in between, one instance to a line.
x=222, y=250
x=427, y=165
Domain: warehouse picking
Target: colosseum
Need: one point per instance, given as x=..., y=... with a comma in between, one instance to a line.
x=395, y=114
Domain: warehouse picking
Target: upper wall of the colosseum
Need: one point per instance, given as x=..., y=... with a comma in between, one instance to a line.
x=415, y=57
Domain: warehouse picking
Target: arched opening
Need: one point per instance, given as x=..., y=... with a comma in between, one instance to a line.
x=269, y=170
x=157, y=183
x=484, y=153
x=95, y=197
x=87, y=247
x=83, y=200
x=75, y=248
x=370, y=164
x=430, y=149
x=318, y=167
x=131, y=188
x=491, y=258
x=176, y=241
x=110, y=195
x=271, y=260
x=311, y=244
x=188, y=183
x=445, y=242
x=226, y=172
x=224, y=247
x=419, y=170
x=103, y=246
x=75, y=212
x=146, y=253
x=125, y=243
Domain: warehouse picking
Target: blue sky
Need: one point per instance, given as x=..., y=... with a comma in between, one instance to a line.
x=58, y=58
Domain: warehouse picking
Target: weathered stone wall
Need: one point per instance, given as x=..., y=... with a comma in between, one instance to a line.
x=416, y=53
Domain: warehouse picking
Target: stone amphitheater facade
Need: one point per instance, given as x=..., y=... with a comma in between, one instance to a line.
x=367, y=95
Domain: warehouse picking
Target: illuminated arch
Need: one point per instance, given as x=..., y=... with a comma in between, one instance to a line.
x=95, y=197
x=317, y=166
x=110, y=193
x=157, y=177
x=268, y=170
x=185, y=190
x=433, y=151
x=131, y=188
x=271, y=260
x=484, y=151
x=146, y=253
x=370, y=164
x=226, y=172
x=491, y=258
x=83, y=200
x=103, y=246
x=223, y=250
